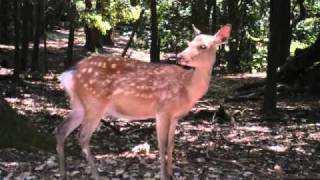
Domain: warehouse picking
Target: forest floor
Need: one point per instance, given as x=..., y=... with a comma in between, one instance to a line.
x=222, y=138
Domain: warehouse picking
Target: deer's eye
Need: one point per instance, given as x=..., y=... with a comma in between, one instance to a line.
x=203, y=46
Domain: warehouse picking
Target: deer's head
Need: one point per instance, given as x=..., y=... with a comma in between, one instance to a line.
x=201, y=49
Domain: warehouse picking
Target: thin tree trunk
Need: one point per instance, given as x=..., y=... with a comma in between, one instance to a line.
x=16, y=13
x=235, y=18
x=200, y=16
x=93, y=40
x=135, y=29
x=44, y=29
x=25, y=34
x=36, y=41
x=4, y=23
x=155, y=41
x=71, y=17
x=214, y=16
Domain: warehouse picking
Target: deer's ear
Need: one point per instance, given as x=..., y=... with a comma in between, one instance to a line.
x=196, y=31
x=223, y=34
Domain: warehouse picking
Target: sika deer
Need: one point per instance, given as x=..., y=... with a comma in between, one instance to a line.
x=124, y=88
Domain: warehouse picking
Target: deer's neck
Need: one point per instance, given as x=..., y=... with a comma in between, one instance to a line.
x=200, y=80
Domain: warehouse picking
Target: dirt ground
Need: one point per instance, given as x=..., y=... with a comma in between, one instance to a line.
x=222, y=138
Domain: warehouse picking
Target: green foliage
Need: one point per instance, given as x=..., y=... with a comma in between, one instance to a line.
x=174, y=25
x=120, y=11
x=107, y=16
x=249, y=40
x=306, y=31
x=96, y=20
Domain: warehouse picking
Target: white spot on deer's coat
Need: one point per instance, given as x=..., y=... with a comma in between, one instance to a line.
x=91, y=81
x=113, y=66
x=90, y=70
x=84, y=70
x=118, y=91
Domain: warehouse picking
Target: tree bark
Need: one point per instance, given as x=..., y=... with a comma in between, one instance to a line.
x=200, y=14
x=37, y=36
x=16, y=13
x=15, y=132
x=71, y=16
x=4, y=23
x=93, y=40
x=155, y=40
x=26, y=8
x=214, y=16
x=286, y=32
x=274, y=51
x=44, y=29
x=235, y=18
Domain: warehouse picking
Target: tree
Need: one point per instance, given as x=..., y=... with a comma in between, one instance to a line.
x=275, y=49
x=286, y=31
x=72, y=19
x=200, y=14
x=26, y=9
x=92, y=34
x=155, y=41
x=38, y=21
x=16, y=13
x=4, y=21
x=235, y=15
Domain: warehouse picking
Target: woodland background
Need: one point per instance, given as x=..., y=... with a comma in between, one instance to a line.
x=260, y=118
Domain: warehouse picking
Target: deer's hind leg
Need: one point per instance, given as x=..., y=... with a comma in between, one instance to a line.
x=73, y=121
x=92, y=118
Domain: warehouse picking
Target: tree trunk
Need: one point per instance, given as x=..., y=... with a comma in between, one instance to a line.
x=200, y=14
x=4, y=23
x=286, y=32
x=15, y=132
x=44, y=33
x=37, y=35
x=155, y=41
x=16, y=13
x=235, y=18
x=25, y=34
x=71, y=16
x=274, y=51
x=93, y=40
x=214, y=23
x=106, y=39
